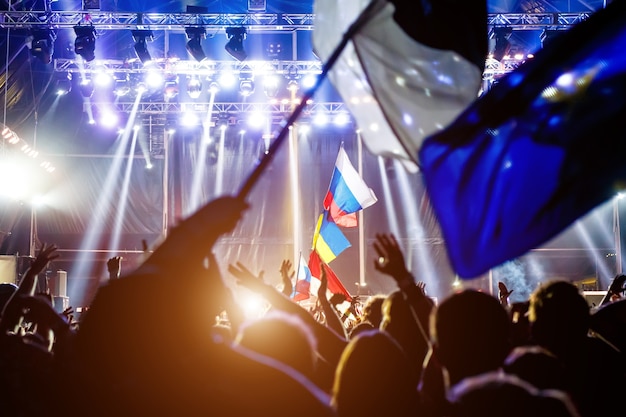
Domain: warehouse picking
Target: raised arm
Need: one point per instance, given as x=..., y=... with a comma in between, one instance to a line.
x=29, y=282
x=390, y=260
x=287, y=274
x=114, y=266
x=332, y=319
x=330, y=344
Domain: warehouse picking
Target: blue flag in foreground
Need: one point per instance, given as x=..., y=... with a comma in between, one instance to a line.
x=542, y=148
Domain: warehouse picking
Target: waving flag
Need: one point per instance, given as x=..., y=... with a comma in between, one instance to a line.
x=328, y=240
x=347, y=192
x=302, y=289
x=410, y=69
x=542, y=148
x=334, y=284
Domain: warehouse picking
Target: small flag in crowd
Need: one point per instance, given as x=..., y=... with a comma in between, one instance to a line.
x=302, y=289
x=408, y=71
x=334, y=284
x=328, y=239
x=535, y=153
x=347, y=193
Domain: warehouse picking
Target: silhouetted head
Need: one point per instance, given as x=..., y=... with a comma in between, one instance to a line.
x=7, y=289
x=373, y=379
x=559, y=316
x=281, y=336
x=537, y=366
x=470, y=332
x=400, y=322
x=373, y=310
x=496, y=394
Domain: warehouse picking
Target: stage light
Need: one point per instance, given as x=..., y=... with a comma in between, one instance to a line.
x=85, y=87
x=257, y=5
x=170, y=90
x=246, y=83
x=122, y=85
x=42, y=44
x=234, y=46
x=140, y=37
x=271, y=84
x=214, y=87
x=194, y=87
x=194, y=47
x=502, y=44
x=246, y=87
x=64, y=84
x=85, y=43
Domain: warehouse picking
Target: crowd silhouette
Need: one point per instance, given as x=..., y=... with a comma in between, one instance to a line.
x=151, y=344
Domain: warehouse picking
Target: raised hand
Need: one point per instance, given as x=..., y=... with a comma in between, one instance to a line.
x=114, y=266
x=29, y=282
x=46, y=254
x=390, y=259
x=321, y=291
x=287, y=275
x=504, y=293
x=246, y=278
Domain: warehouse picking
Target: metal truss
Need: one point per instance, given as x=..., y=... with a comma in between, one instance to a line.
x=291, y=69
x=536, y=21
x=283, y=22
x=278, y=110
x=157, y=118
x=254, y=22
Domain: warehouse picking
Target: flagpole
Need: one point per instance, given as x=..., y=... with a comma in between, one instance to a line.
x=295, y=284
x=363, y=18
x=361, y=228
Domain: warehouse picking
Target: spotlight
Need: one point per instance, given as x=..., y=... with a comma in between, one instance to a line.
x=64, y=84
x=234, y=46
x=86, y=87
x=85, y=43
x=194, y=87
x=194, y=47
x=170, y=90
x=502, y=45
x=214, y=87
x=140, y=37
x=246, y=83
x=271, y=85
x=257, y=5
x=246, y=87
x=42, y=44
x=122, y=85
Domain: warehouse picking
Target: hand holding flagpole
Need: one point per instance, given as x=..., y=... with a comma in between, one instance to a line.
x=363, y=18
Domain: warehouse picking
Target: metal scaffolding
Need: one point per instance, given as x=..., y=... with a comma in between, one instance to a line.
x=254, y=22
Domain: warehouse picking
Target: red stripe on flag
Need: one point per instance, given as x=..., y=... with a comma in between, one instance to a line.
x=334, y=284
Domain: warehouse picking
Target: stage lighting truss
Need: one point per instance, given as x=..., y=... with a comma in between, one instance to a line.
x=234, y=47
x=141, y=37
x=85, y=43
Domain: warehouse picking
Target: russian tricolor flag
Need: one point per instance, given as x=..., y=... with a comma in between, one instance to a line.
x=348, y=193
x=303, y=281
